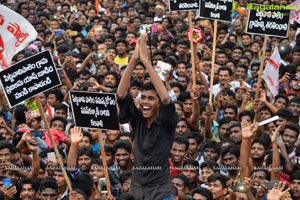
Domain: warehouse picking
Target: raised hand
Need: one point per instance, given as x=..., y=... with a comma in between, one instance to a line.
x=144, y=55
x=136, y=53
x=263, y=96
x=277, y=191
x=32, y=144
x=248, y=129
x=275, y=133
x=195, y=93
x=76, y=135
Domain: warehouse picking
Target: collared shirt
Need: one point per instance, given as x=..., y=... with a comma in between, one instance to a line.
x=150, y=175
x=64, y=195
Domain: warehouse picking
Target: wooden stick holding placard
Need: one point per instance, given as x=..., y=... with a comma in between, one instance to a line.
x=59, y=158
x=104, y=163
x=261, y=67
x=192, y=48
x=213, y=61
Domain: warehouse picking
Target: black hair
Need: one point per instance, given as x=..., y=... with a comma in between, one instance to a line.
x=181, y=140
x=295, y=175
x=295, y=100
x=233, y=107
x=88, y=152
x=232, y=149
x=58, y=95
x=121, y=40
x=89, y=42
x=58, y=118
x=20, y=114
x=136, y=83
x=126, y=134
x=203, y=192
x=210, y=164
x=246, y=113
x=6, y=145
x=225, y=68
x=285, y=114
x=261, y=141
x=193, y=163
x=109, y=149
x=184, y=96
x=48, y=182
x=218, y=177
x=194, y=135
x=122, y=144
x=282, y=96
x=148, y=86
x=159, y=52
x=245, y=67
x=176, y=84
x=88, y=135
x=124, y=176
x=61, y=106
x=213, y=145
x=267, y=173
x=23, y=181
x=225, y=120
x=294, y=127
x=84, y=182
x=183, y=178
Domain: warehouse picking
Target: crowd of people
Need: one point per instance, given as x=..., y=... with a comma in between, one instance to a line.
x=173, y=143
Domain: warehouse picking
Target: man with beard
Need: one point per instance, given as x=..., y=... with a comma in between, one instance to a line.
x=235, y=133
x=182, y=127
x=110, y=81
x=230, y=157
x=295, y=185
x=258, y=151
x=294, y=107
x=289, y=138
x=86, y=48
x=295, y=87
x=194, y=146
x=122, y=150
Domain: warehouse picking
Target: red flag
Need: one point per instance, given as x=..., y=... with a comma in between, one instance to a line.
x=270, y=74
x=97, y=6
x=15, y=34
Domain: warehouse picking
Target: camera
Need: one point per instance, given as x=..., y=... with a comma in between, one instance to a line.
x=77, y=16
x=97, y=56
x=239, y=187
x=85, y=85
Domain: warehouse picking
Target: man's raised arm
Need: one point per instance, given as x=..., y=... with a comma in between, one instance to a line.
x=125, y=80
x=158, y=84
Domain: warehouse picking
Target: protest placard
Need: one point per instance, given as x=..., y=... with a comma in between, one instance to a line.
x=179, y=5
x=264, y=20
x=216, y=9
x=29, y=77
x=94, y=110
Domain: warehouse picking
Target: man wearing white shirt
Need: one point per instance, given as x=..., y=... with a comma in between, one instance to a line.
x=225, y=83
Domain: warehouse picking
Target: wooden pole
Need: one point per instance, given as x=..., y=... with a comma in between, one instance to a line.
x=104, y=163
x=213, y=61
x=261, y=67
x=192, y=48
x=59, y=158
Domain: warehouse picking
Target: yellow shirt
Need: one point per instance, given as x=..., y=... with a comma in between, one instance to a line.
x=121, y=61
